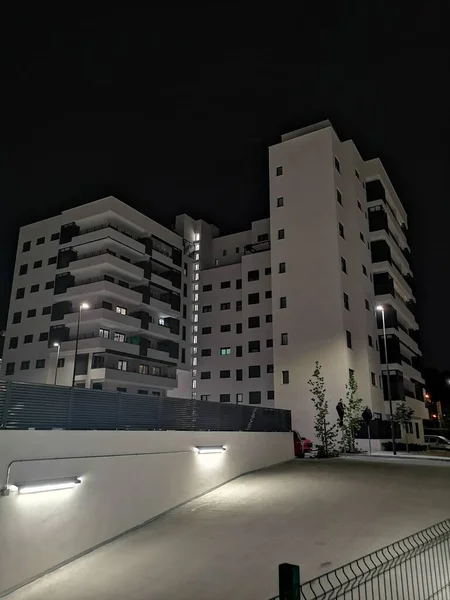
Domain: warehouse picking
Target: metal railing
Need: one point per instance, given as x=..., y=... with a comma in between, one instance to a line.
x=415, y=568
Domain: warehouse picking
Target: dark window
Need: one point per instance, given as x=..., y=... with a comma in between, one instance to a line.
x=207, y=287
x=238, y=374
x=279, y=171
x=361, y=236
x=185, y=290
x=206, y=352
x=40, y=241
x=281, y=234
x=284, y=339
x=237, y=249
x=185, y=269
x=183, y=333
x=346, y=302
x=225, y=374
x=52, y=260
x=61, y=362
x=184, y=311
x=280, y=202
x=253, y=298
x=369, y=339
x=263, y=237
x=270, y=368
x=40, y=363
x=17, y=317
x=282, y=267
x=359, y=205
x=43, y=337
x=10, y=368
x=357, y=174
x=254, y=397
x=254, y=346
x=238, y=327
x=341, y=231
x=205, y=375
x=270, y=395
x=224, y=252
x=339, y=197
x=28, y=338
x=225, y=306
x=337, y=165
x=351, y=373
x=98, y=361
x=34, y=288
x=13, y=343
x=267, y=271
x=31, y=313
x=26, y=246
x=25, y=365
x=253, y=322
x=269, y=343
x=46, y=310
x=224, y=398
x=37, y=264
x=364, y=270
x=144, y=392
x=23, y=269
x=349, y=339
x=49, y=285
x=343, y=265
x=121, y=389
x=20, y=293
x=238, y=305
x=373, y=378
x=225, y=284
x=55, y=236
x=238, y=351
x=205, y=397
x=207, y=308
x=284, y=376
x=254, y=371
x=253, y=275
x=206, y=330
x=283, y=302
x=268, y=318
x=225, y=328
x=268, y=294
x=367, y=305
x=183, y=355
x=238, y=284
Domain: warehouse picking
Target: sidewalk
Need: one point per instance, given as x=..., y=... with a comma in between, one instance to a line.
x=399, y=455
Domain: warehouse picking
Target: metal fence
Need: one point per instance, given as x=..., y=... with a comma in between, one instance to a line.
x=415, y=568
x=39, y=406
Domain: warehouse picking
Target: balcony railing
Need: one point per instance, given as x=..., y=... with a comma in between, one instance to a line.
x=106, y=226
x=136, y=370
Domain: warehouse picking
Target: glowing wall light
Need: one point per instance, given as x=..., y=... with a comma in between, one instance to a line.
x=47, y=486
x=210, y=449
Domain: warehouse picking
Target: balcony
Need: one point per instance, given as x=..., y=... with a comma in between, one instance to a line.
x=100, y=286
x=167, y=380
x=92, y=341
x=105, y=317
x=108, y=230
x=96, y=261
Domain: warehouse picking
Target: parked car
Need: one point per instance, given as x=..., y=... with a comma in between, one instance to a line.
x=301, y=445
x=437, y=442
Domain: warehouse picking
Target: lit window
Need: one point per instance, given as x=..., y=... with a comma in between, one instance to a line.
x=196, y=277
x=195, y=297
x=104, y=333
x=121, y=310
x=194, y=383
x=194, y=361
x=197, y=247
x=194, y=372
x=196, y=287
x=194, y=339
x=161, y=321
x=197, y=237
x=143, y=369
x=194, y=350
x=195, y=318
x=122, y=365
x=195, y=328
x=119, y=337
x=196, y=308
x=225, y=351
x=196, y=267
x=197, y=256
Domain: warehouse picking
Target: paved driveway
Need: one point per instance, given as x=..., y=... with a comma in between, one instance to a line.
x=228, y=544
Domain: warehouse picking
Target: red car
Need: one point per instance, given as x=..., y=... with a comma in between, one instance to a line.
x=301, y=445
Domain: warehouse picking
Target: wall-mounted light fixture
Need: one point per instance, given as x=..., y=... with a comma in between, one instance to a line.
x=45, y=486
x=210, y=449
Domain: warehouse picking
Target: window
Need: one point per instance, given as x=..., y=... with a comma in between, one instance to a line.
x=254, y=346
x=225, y=306
x=270, y=395
x=341, y=231
x=20, y=293
x=225, y=351
x=254, y=371
x=225, y=374
x=224, y=252
x=13, y=343
x=205, y=397
x=343, y=265
x=282, y=267
x=121, y=389
x=268, y=295
x=52, y=260
x=364, y=270
x=349, y=339
x=225, y=284
x=31, y=313
x=207, y=287
x=269, y=343
x=238, y=305
x=376, y=346
x=253, y=298
x=339, y=197
x=183, y=333
x=23, y=269
x=238, y=374
x=346, y=302
x=122, y=311
x=369, y=339
x=239, y=398
x=279, y=171
x=143, y=369
x=263, y=237
x=205, y=375
x=34, y=288
x=284, y=339
x=351, y=373
x=267, y=271
x=367, y=305
x=49, y=285
x=253, y=322
x=269, y=369
x=61, y=362
x=26, y=246
x=337, y=165
x=357, y=174
x=46, y=310
x=183, y=355
x=37, y=264
x=28, y=338
x=119, y=337
x=224, y=398
x=40, y=363
x=25, y=365
x=43, y=337
x=284, y=376
x=280, y=202
x=238, y=351
x=40, y=241
x=207, y=308
x=253, y=275
x=206, y=330
x=225, y=328
x=361, y=237
x=281, y=234
x=104, y=333
x=283, y=302
x=373, y=378
x=122, y=365
x=254, y=397
x=17, y=317
x=206, y=352
x=359, y=205
x=238, y=327
x=268, y=318
x=237, y=249
x=54, y=236
x=184, y=311
x=10, y=368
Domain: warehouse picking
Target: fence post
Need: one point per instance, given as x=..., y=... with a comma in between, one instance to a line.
x=289, y=582
x=69, y=409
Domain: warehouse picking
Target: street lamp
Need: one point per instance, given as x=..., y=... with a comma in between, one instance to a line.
x=394, y=449
x=57, y=345
x=83, y=306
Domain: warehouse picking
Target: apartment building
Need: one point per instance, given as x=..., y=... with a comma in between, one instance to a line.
x=108, y=285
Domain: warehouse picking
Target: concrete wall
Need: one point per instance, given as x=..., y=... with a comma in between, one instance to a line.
x=117, y=493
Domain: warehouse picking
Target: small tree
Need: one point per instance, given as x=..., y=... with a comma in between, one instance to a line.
x=403, y=416
x=352, y=414
x=325, y=432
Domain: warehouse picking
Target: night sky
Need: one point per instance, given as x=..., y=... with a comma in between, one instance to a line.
x=173, y=110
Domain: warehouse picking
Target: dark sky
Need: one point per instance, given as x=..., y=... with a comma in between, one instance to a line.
x=172, y=111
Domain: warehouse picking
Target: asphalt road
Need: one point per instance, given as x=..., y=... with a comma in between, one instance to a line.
x=228, y=544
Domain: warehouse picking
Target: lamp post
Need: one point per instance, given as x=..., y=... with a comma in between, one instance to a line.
x=394, y=449
x=57, y=345
x=83, y=306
